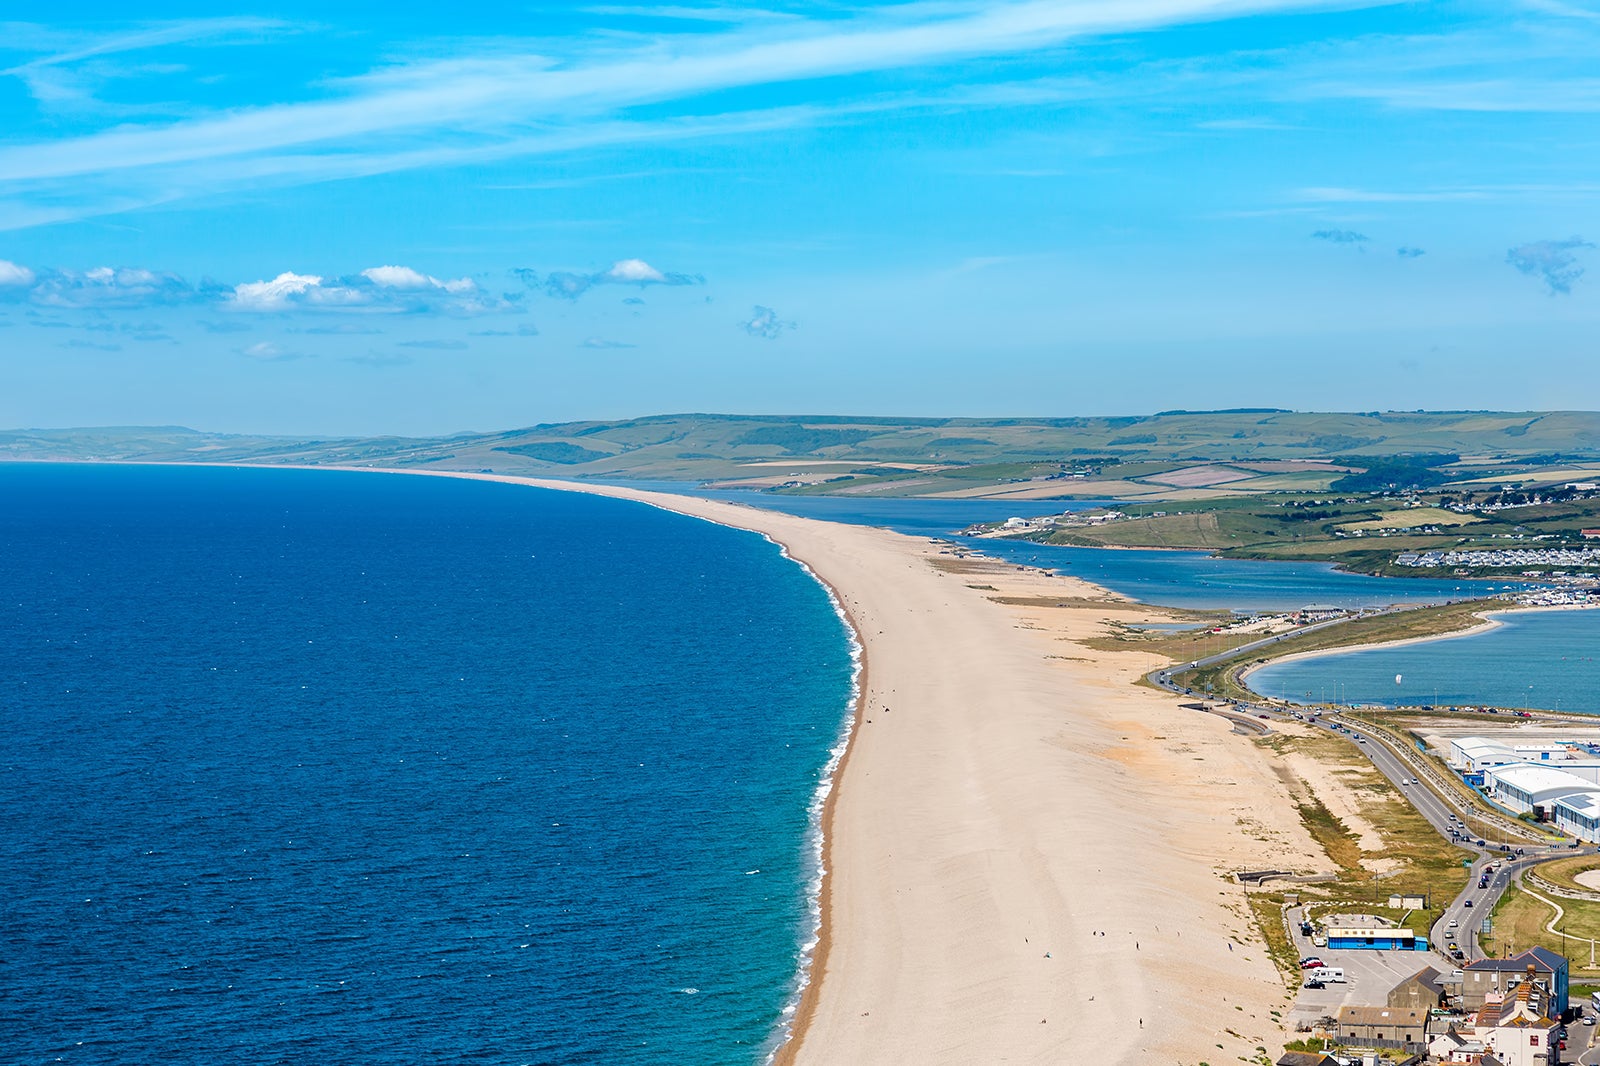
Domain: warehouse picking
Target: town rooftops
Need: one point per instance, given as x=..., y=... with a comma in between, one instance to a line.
x=1548, y=960
x=1307, y=1058
x=1428, y=976
x=1381, y=1016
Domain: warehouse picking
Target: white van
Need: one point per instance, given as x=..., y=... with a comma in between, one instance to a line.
x=1327, y=975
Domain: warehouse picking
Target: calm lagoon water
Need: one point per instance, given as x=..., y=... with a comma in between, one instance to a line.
x=1192, y=579
x=1543, y=659
x=330, y=767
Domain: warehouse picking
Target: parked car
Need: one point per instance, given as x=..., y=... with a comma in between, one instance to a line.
x=1310, y=962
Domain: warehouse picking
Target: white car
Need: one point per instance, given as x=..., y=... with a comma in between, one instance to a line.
x=1453, y=923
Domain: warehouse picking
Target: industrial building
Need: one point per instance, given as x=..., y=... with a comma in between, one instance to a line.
x=1524, y=788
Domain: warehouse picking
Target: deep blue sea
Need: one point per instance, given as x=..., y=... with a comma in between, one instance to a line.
x=1543, y=659
x=321, y=767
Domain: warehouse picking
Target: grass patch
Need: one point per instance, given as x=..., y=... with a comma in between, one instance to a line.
x=1519, y=923
x=1334, y=837
x=1412, y=858
x=1267, y=908
x=1564, y=872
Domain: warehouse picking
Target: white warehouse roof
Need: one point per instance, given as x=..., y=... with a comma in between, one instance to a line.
x=1540, y=783
x=1477, y=746
x=1586, y=803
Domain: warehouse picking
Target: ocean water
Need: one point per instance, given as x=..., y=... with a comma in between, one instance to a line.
x=307, y=766
x=1536, y=659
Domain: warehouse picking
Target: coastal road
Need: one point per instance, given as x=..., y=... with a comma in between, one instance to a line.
x=1498, y=862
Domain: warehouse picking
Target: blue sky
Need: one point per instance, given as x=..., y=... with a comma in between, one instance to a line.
x=290, y=219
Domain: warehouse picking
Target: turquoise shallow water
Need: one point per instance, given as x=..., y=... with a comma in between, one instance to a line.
x=1543, y=659
x=329, y=767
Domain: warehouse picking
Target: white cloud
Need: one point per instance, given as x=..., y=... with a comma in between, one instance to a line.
x=11, y=274
x=633, y=271
x=274, y=295
x=399, y=277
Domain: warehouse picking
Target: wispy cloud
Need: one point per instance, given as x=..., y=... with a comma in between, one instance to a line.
x=603, y=343
x=1409, y=253
x=1552, y=262
x=268, y=352
x=70, y=68
x=570, y=285
x=13, y=276
x=379, y=360
x=1335, y=195
x=436, y=345
x=490, y=94
x=765, y=323
x=105, y=287
x=1339, y=236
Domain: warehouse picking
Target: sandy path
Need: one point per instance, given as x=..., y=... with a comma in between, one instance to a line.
x=1009, y=797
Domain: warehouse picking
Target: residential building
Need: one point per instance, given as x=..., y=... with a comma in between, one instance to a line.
x=1386, y=1027
x=1497, y=977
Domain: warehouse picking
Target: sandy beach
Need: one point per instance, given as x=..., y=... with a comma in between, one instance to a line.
x=1027, y=854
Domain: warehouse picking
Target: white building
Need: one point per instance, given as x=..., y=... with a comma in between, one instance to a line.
x=1475, y=754
x=1578, y=816
x=1588, y=769
x=1519, y=1029
x=1522, y=787
x=1543, y=752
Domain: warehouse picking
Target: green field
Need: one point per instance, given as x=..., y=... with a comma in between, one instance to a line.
x=1508, y=445
x=1362, y=533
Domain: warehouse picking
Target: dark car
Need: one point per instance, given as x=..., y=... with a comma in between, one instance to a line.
x=1468, y=903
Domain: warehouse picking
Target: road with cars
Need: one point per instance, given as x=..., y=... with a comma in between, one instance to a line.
x=1497, y=864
